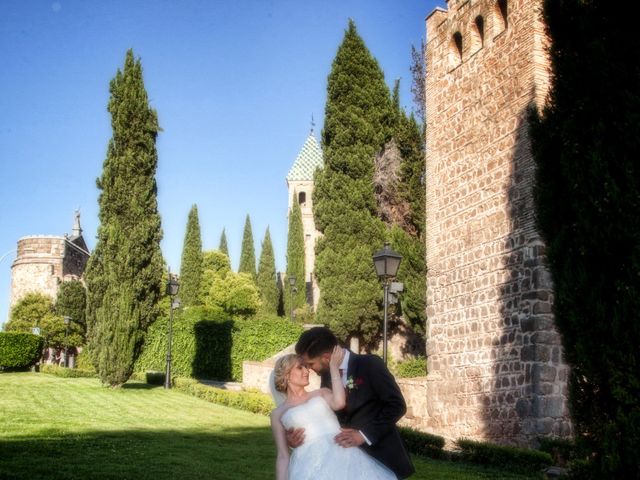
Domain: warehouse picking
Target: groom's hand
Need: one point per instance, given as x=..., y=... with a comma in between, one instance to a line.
x=348, y=437
x=295, y=437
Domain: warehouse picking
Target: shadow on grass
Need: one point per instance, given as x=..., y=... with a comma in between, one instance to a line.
x=140, y=386
x=246, y=453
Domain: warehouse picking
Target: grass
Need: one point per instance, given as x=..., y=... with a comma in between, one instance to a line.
x=73, y=428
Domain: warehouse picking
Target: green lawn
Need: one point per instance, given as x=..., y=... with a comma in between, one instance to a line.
x=73, y=428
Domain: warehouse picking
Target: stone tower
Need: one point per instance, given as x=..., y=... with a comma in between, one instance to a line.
x=300, y=186
x=43, y=262
x=496, y=370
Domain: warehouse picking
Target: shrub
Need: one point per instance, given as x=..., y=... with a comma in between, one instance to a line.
x=207, y=344
x=411, y=368
x=200, y=345
x=59, y=371
x=83, y=361
x=513, y=458
x=422, y=443
x=254, y=402
x=562, y=450
x=260, y=338
x=19, y=350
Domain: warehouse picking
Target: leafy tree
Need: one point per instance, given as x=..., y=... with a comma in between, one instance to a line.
x=124, y=273
x=71, y=301
x=236, y=294
x=358, y=123
x=266, y=282
x=223, y=243
x=37, y=310
x=586, y=144
x=28, y=312
x=191, y=265
x=215, y=267
x=295, y=260
x=248, y=253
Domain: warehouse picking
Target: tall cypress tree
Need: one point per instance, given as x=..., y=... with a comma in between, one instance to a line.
x=295, y=260
x=223, y=243
x=248, y=253
x=267, y=285
x=124, y=273
x=586, y=144
x=191, y=264
x=358, y=122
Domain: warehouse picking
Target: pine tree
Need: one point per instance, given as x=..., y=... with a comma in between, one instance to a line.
x=191, y=265
x=124, y=273
x=295, y=260
x=223, y=243
x=586, y=144
x=358, y=123
x=267, y=276
x=248, y=253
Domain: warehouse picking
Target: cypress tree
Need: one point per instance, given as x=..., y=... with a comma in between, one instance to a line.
x=248, y=253
x=223, y=243
x=124, y=273
x=191, y=264
x=358, y=122
x=267, y=276
x=295, y=260
x=586, y=144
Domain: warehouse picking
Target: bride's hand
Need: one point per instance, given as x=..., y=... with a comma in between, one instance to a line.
x=336, y=357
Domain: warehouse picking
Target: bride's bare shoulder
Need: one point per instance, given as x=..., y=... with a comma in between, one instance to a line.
x=277, y=412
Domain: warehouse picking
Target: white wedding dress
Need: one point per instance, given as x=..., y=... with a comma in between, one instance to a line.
x=319, y=457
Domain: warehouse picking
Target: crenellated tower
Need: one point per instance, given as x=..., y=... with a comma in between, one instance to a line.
x=496, y=370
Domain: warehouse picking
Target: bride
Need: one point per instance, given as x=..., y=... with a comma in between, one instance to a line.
x=319, y=457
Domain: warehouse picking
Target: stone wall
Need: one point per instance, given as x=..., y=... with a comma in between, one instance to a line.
x=494, y=357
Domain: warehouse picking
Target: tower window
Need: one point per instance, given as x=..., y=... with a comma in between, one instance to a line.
x=500, y=16
x=455, y=51
x=479, y=32
x=302, y=198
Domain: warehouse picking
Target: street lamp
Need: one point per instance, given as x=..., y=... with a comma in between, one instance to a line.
x=67, y=321
x=292, y=290
x=387, y=263
x=172, y=290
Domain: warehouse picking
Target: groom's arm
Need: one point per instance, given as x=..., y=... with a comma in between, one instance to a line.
x=388, y=394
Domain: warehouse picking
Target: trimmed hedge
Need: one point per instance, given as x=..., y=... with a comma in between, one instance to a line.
x=254, y=402
x=59, y=371
x=422, y=443
x=512, y=458
x=207, y=344
x=260, y=338
x=19, y=350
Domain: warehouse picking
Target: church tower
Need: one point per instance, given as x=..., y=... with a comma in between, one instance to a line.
x=300, y=186
x=496, y=369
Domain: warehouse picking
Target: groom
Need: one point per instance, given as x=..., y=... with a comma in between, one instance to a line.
x=374, y=401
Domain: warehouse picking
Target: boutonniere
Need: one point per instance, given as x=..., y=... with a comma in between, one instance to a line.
x=353, y=384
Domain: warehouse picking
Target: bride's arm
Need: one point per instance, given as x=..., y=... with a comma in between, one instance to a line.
x=282, y=458
x=336, y=398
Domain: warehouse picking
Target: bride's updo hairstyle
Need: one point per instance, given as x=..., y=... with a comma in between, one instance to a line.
x=281, y=371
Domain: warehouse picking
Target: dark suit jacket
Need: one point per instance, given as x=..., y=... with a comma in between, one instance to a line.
x=374, y=406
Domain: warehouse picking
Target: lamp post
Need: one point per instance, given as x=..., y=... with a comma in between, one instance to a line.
x=172, y=290
x=387, y=263
x=67, y=321
x=292, y=290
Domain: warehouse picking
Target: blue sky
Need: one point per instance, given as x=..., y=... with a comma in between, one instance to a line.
x=234, y=82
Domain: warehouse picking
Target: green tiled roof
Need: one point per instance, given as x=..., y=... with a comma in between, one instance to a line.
x=309, y=158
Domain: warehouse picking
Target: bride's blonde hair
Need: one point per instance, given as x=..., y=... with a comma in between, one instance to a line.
x=281, y=371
